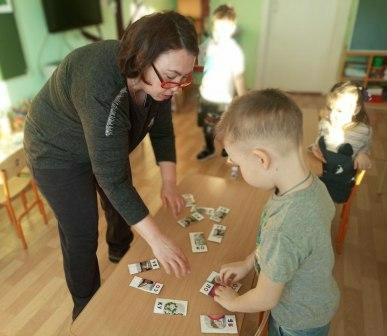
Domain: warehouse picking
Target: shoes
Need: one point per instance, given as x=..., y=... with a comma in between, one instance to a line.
x=116, y=256
x=205, y=154
x=224, y=153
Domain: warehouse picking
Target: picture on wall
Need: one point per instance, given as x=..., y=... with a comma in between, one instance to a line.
x=5, y=6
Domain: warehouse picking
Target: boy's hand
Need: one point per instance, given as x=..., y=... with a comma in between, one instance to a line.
x=225, y=296
x=362, y=161
x=233, y=272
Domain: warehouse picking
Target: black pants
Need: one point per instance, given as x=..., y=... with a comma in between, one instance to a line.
x=72, y=196
x=209, y=115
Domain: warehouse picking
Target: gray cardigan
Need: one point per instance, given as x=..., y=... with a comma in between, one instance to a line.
x=85, y=115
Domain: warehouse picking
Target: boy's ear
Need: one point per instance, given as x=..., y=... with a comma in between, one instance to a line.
x=263, y=157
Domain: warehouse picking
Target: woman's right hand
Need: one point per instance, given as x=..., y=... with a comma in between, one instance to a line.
x=233, y=272
x=170, y=256
x=165, y=250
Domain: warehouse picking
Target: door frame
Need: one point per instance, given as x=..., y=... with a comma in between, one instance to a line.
x=334, y=53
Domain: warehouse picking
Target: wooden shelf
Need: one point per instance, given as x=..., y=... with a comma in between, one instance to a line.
x=361, y=79
x=369, y=55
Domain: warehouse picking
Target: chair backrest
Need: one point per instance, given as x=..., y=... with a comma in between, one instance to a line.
x=359, y=177
x=13, y=165
x=263, y=324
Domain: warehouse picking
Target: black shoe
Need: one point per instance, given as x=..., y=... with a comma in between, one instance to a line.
x=224, y=153
x=116, y=256
x=205, y=154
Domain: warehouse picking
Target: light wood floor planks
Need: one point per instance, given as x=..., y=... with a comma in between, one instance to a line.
x=33, y=295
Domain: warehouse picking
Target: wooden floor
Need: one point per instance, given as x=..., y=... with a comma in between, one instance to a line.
x=33, y=294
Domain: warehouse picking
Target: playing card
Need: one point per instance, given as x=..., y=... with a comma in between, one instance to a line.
x=213, y=281
x=146, y=285
x=198, y=242
x=218, y=324
x=170, y=307
x=203, y=210
x=193, y=217
x=217, y=233
x=189, y=200
x=219, y=214
x=143, y=266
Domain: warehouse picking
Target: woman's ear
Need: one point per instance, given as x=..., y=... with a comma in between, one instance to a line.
x=263, y=158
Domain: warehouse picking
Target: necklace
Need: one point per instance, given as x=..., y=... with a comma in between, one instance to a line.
x=297, y=185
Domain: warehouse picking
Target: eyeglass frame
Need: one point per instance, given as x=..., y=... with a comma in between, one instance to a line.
x=170, y=84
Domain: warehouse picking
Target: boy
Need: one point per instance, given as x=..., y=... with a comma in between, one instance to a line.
x=223, y=72
x=262, y=133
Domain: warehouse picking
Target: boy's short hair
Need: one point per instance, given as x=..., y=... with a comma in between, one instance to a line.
x=224, y=12
x=268, y=115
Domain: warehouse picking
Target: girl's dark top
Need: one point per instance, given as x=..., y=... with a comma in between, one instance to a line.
x=84, y=114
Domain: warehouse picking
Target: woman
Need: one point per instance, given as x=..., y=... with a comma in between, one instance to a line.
x=96, y=108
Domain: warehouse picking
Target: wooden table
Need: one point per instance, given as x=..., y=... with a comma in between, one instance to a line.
x=118, y=310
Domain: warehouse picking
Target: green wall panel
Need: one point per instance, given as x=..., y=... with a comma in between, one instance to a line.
x=12, y=62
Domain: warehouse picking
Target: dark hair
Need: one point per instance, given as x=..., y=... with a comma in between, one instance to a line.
x=147, y=38
x=267, y=114
x=354, y=88
x=225, y=12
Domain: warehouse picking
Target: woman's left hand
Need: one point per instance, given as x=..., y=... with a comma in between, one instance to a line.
x=362, y=161
x=226, y=297
x=171, y=198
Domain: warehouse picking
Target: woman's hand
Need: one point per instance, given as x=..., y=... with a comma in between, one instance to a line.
x=170, y=256
x=233, y=272
x=171, y=198
x=362, y=161
x=226, y=297
x=165, y=250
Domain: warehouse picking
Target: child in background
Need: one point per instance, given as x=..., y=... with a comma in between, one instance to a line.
x=344, y=138
x=262, y=133
x=223, y=73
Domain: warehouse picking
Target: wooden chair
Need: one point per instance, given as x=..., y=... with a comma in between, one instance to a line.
x=15, y=182
x=263, y=325
x=344, y=216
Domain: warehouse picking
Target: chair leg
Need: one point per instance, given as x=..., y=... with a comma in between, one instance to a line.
x=342, y=228
x=40, y=202
x=24, y=200
x=16, y=224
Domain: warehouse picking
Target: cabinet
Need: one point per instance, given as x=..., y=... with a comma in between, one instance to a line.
x=364, y=65
x=368, y=67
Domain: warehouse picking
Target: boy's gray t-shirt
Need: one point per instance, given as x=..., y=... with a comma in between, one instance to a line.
x=294, y=247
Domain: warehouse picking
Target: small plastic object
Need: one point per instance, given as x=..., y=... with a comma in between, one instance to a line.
x=234, y=171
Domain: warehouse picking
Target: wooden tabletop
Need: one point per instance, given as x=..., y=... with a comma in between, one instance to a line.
x=117, y=309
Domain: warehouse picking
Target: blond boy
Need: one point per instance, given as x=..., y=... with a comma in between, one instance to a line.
x=262, y=133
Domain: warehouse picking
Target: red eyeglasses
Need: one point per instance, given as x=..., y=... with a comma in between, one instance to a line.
x=169, y=85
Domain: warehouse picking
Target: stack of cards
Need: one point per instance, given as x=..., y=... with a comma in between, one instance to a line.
x=146, y=285
x=198, y=242
x=213, y=282
x=219, y=214
x=170, y=307
x=203, y=210
x=143, y=266
x=218, y=324
x=217, y=233
x=189, y=200
x=193, y=217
